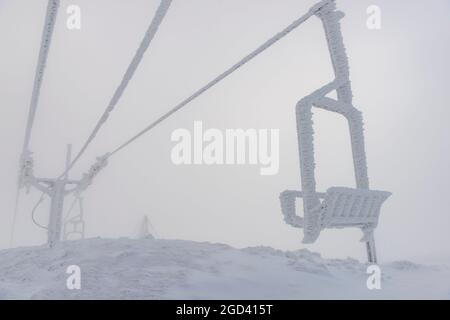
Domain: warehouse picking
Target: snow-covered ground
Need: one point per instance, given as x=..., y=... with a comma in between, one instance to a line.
x=177, y=269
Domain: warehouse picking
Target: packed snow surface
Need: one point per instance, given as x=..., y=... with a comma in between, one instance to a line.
x=178, y=269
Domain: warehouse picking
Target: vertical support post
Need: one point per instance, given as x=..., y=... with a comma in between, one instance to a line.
x=57, y=205
x=330, y=20
x=56, y=210
x=371, y=251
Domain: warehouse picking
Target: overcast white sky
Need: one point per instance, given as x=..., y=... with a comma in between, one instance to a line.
x=400, y=82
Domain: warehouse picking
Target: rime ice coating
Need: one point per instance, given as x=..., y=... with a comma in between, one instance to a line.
x=339, y=207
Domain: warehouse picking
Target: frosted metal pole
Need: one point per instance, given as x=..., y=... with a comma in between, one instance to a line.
x=57, y=195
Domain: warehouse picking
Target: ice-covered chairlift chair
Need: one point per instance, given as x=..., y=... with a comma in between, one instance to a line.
x=338, y=207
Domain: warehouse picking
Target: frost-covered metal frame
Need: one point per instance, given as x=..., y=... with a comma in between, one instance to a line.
x=339, y=207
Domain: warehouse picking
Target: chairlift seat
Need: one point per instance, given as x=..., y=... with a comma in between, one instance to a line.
x=340, y=207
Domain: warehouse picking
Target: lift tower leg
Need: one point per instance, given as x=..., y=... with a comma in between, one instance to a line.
x=58, y=193
x=56, y=212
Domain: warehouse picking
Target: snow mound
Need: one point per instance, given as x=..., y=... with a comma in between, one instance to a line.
x=178, y=269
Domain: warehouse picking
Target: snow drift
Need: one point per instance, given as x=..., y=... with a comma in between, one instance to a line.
x=177, y=269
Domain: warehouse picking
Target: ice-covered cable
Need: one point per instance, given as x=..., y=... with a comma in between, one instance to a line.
x=49, y=26
x=229, y=71
x=34, y=211
x=47, y=35
x=145, y=43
